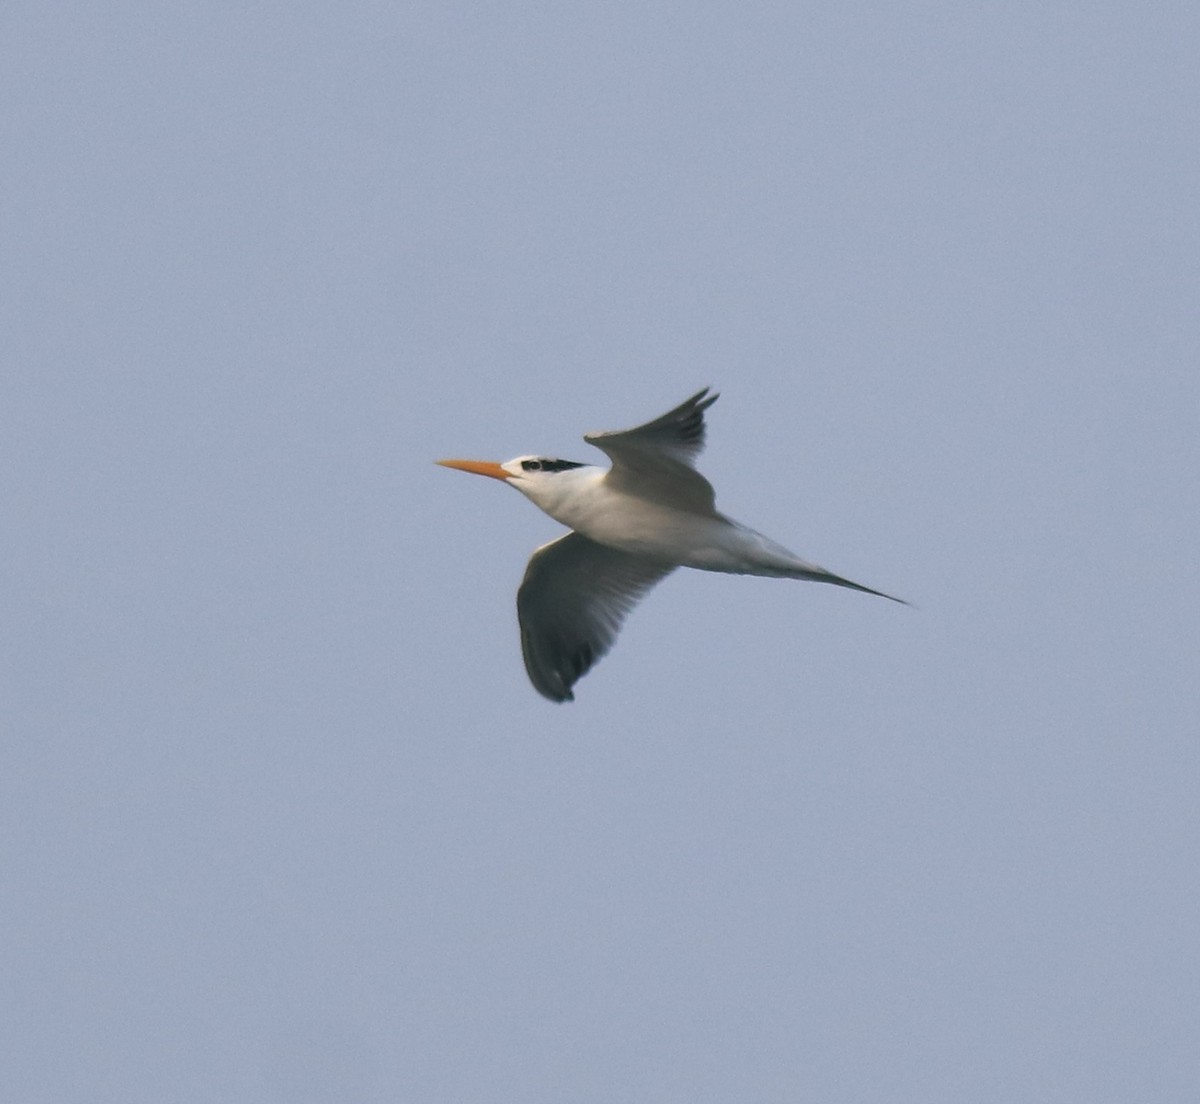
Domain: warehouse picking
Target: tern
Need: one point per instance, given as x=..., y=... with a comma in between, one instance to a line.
x=631, y=525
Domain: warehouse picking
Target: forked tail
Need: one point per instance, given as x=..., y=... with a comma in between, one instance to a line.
x=820, y=575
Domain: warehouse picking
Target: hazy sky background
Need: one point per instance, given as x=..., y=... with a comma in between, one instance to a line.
x=282, y=819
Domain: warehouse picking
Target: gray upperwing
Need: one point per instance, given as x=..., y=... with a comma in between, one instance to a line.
x=654, y=460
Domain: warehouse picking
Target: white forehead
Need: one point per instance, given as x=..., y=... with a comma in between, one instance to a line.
x=516, y=465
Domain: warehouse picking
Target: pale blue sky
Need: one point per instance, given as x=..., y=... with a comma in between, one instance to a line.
x=282, y=819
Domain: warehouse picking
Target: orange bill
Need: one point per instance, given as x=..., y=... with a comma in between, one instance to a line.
x=479, y=467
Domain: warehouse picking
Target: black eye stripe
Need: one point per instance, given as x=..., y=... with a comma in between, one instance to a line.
x=544, y=464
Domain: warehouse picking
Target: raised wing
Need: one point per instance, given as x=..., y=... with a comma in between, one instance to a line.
x=571, y=604
x=654, y=461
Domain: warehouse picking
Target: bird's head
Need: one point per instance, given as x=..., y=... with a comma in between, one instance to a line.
x=543, y=479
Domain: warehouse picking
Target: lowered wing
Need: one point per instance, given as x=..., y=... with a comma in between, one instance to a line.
x=571, y=604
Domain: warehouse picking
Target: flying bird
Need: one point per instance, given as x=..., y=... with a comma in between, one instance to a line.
x=631, y=525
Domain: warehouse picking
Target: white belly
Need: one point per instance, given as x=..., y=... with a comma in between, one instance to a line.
x=674, y=536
